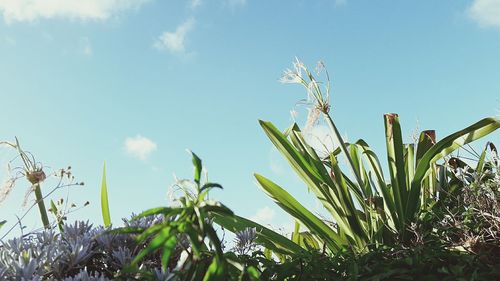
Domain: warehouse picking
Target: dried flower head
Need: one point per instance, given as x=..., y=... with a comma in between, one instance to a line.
x=318, y=93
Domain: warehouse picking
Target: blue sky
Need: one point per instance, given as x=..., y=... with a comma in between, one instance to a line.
x=136, y=83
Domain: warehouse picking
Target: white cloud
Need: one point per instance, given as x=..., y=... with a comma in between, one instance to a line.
x=9, y=41
x=30, y=10
x=236, y=2
x=85, y=46
x=276, y=163
x=339, y=3
x=139, y=146
x=320, y=138
x=195, y=4
x=485, y=12
x=264, y=215
x=174, y=41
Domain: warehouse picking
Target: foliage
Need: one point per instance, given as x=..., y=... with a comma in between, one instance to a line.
x=468, y=215
x=428, y=220
x=79, y=252
x=186, y=229
x=367, y=210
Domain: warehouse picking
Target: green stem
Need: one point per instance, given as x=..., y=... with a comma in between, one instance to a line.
x=343, y=147
x=41, y=206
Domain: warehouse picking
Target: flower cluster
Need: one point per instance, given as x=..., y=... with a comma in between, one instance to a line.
x=80, y=252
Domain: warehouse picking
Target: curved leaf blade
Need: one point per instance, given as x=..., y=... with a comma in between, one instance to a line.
x=295, y=209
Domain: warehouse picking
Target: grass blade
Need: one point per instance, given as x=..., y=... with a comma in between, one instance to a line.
x=104, y=199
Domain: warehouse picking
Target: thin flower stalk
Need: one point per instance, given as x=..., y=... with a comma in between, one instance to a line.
x=35, y=175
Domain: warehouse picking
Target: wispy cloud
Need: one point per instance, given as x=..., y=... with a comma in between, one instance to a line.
x=174, y=42
x=276, y=163
x=30, y=10
x=85, y=46
x=9, y=41
x=339, y=3
x=193, y=4
x=264, y=215
x=139, y=147
x=485, y=12
x=235, y=3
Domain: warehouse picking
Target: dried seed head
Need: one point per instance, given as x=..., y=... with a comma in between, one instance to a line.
x=36, y=177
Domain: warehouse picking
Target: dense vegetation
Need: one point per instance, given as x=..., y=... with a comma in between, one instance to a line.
x=434, y=217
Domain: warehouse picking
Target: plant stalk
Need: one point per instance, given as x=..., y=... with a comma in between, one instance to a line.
x=41, y=205
x=343, y=147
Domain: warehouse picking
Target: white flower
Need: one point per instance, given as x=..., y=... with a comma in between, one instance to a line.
x=293, y=76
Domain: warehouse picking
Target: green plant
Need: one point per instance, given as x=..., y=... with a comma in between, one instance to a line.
x=34, y=173
x=106, y=217
x=367, y=210
x=188, y=228
x=467, y=216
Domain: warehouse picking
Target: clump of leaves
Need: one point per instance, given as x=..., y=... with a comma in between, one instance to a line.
x=468, y=216
x=368, y=208
x=186, y=229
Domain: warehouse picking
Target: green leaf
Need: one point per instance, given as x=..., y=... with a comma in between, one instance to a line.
x=168, y=248
x=2, y=223
x=311, y=174
x=441, y=149
x=126, y=230
x=409, y=160
x=425, y=141
x=266, y=237
x=482, y=159
x=104, y=199
x=197, y=168
x=166, y=211
x=395, y=158
x=155, y=244
x=211, y=206
x=216, y=270
x=294, y=208
x=53, y=208
x=152, y=230
x=390, y=213
x=214, y=239
x=253, y=272
x=210, y=185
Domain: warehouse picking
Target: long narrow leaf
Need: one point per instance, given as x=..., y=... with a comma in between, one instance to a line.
x=168, y=248
x=266, y=237
x=155, y=244
x=442, y=149
x=197, y=168
x=165, y=211
x=319, y=184
x=395, y=157
x=294, y=208
x=106, y=217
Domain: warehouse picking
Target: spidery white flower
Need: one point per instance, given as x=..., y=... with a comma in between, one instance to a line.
x=294, y=76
